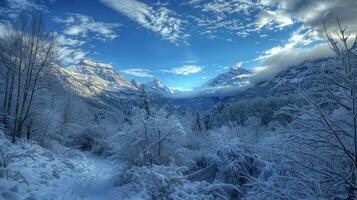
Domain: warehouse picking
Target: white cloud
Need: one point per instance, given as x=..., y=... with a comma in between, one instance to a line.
x=21, y=5
x=139, y=72
x=70, y=50
x=69, y=55
x=224, y=6
x=277, y=62
x=184, y=70
x=79, y=29
x=273, y=18
x=161, y=20
x=15, y=7
x=232, y=16
x=243, y=17
x=230, y=7
x=84, y=26
x=315, y=13
x=66, y=41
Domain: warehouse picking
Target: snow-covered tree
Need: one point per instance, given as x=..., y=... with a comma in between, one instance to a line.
x=153, y=139
x=197, y=126
x=26, y=51
x=144, y=102
x=324, y=135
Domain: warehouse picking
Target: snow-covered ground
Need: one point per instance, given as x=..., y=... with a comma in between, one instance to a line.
x=35, y=173
x=95, y=182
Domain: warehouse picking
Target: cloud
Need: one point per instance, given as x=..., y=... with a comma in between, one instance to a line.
x=84, y=26
x=273, y=18
x=295, y=51
x=308, y=41
x=316, y=13
x=15, y=7
x=184, y=70
x=161, y=20
x=223, y=6
x=139, y=72
x=21, y=5
x=70, y=50
x=78, y=31
x=212, y=17
x=66, y=41
x=289, y=57
x=69, y=55
x=243, y=17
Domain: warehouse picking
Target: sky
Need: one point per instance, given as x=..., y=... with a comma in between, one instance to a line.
x=184, y=43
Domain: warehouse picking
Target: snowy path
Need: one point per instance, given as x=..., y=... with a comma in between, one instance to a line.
x=95, y=183
x=64, y=174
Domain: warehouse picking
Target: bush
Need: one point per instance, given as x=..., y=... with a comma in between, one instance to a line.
x=169, y=182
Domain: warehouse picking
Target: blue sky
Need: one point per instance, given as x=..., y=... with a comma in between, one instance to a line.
x=186, y=42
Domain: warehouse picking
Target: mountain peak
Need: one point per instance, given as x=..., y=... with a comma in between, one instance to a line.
x=135, y=83
x=237, y=66
x=237, y=69
x=158, y=83
x=157, y=86
x=91, y=63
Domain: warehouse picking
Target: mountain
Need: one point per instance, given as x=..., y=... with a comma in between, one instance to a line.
x=94, y=79
x=236, y=76
x=97, y=77
x=157, y=87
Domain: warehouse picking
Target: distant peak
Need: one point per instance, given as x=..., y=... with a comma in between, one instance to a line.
x=239, y=69
x=135, y=83
x=237, y=66
x=157, y=82
x=91, y=63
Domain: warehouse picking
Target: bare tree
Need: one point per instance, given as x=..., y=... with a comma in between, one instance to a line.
x=27, y=50
x=324, y=134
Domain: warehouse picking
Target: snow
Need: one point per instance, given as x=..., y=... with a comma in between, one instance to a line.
x=157, y=153
x=96, y=183
x=69, y=175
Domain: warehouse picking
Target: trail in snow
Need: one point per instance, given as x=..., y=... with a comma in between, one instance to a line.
x=64, y=174
x=96, y=183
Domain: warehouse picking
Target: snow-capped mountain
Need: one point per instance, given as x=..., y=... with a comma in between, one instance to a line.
x=235, y=76
x=98, y=77
x=92, y=78
x=157, y=87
